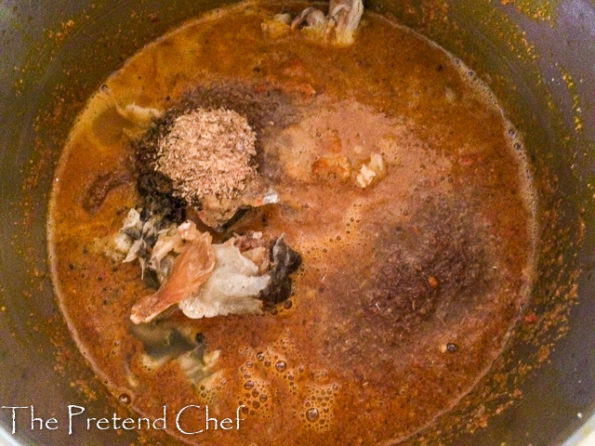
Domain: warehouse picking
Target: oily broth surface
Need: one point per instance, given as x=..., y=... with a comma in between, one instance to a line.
x=362, y=340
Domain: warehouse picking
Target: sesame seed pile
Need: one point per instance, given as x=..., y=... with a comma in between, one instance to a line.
x=208, y=153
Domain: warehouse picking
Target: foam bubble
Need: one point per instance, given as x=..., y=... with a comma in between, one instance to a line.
x=318, y=406
x=257, y=399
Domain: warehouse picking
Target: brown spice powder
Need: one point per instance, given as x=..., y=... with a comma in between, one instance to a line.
x=208, y=153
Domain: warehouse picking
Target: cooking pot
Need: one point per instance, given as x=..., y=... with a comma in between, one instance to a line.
x=537, y=56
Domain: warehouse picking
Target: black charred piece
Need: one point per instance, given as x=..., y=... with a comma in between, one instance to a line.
x=157, y=198
x=150, y=279
x=284, y=261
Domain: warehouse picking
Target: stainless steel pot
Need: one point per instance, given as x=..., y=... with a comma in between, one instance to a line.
x=537, y=56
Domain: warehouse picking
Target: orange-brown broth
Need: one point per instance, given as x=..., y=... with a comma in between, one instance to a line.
x=363, y=336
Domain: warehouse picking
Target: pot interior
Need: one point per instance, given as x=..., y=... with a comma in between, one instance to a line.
x=535, y=56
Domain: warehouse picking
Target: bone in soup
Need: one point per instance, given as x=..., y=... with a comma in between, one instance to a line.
x=329, y=226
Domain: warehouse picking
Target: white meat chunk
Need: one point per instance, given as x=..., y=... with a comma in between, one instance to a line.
x=338, y=27
x=232, y=288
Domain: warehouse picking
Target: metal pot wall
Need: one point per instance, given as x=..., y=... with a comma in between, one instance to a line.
x=537, y=56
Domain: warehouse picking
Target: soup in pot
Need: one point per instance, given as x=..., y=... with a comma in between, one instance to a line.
x=323, y=228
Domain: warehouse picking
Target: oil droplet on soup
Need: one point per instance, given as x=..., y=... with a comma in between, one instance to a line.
x=432, y=251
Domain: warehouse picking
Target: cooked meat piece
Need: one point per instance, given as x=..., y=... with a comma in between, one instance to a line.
x=101, y=187
x=220, y=213
x=278, y=26
x=249, y=240
x=231, y=289
x=347, y=15
x=254, y=246
x=337, y=27
x=371, y=172
x=310, y=17
x=139, y=115
x=191, y=269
